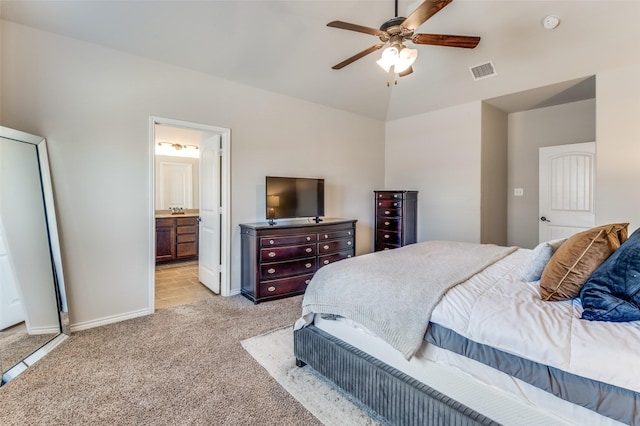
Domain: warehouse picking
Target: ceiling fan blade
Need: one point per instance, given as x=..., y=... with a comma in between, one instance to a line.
x=425, y=11
x=357, y=56
x=353, y=27
x=468, y=42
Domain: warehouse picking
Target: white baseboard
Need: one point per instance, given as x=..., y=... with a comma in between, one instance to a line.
x=108, y=320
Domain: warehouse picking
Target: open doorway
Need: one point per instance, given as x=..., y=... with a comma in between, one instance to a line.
x=190, y=211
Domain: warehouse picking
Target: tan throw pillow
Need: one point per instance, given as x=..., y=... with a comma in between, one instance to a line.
x=574, y=261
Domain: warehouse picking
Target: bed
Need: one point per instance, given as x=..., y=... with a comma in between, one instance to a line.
x=459, y=333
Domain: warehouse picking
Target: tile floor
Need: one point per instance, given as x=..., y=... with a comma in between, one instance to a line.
x=177, y=284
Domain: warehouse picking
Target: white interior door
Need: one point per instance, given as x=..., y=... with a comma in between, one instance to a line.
x=567, y=196
x=210, y=209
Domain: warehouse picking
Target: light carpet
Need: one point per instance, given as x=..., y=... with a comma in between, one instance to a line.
x=274, y=351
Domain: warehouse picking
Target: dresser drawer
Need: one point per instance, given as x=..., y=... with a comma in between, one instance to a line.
x=346, y=233
x=388, y=224
x=284, y=269
x=333, y=246
x=288, y=240
x=331, y=258
x=186, y=238
x=164, y=223
x=186, y=249
x=187, y=221
x=287, y=252
x=186, y=230
x=388, y=237
x=289, y=285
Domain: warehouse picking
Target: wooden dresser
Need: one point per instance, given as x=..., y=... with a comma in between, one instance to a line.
x=176, y=238
x=279, y=261
x=396, y=219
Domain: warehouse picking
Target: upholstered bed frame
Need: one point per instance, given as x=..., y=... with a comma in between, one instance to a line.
x=393, y=395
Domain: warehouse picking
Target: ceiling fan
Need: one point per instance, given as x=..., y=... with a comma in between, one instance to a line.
x=396, y=31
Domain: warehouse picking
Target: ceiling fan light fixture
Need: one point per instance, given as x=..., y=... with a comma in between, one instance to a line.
x=406, y=58
x=389, y=58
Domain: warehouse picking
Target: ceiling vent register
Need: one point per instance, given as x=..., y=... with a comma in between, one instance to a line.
x=483, y=71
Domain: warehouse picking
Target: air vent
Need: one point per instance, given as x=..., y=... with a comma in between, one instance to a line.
x=482, y=71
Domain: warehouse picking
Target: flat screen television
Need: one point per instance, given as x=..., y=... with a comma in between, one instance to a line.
x=293, y=197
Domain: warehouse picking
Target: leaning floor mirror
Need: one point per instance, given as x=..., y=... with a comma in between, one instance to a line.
x=33, y=307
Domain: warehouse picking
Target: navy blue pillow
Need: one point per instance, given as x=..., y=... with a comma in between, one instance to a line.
x=612, y=293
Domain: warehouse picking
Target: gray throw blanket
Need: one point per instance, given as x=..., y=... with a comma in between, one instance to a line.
x=393, y=293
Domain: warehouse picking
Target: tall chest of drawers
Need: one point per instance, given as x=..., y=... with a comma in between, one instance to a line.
x=280, y=260
x=396, y=219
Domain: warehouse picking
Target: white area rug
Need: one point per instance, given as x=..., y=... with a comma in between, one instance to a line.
x=274, y=351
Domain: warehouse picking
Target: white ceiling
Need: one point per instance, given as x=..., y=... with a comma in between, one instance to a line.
x=286, y=47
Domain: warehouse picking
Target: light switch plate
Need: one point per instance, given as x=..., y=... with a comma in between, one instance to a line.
x=518, y=192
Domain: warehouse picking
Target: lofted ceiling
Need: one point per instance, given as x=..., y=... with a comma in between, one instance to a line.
x=286, y=47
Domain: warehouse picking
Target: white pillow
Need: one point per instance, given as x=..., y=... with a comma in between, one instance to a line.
x=539, y=258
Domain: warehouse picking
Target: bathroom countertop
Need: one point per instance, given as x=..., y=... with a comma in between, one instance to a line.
x=169, y=215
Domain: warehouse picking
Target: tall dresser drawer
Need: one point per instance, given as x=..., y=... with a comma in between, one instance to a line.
x=388, y=224
x=275, y=270
x=287, y=252
x=389, y=212
x=388, y=237
x=390, y=204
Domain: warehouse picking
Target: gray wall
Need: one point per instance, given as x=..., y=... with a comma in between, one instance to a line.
x=528, y=131
x=93, y=105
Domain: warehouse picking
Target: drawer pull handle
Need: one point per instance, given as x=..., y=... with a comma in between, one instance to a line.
x=387, y=212
x=349, y=233
x=307, y=265
x=326, y=247
x=386, y=249
x=272, y=288
x=308, y=249
x=271, y=271
x=395, y=204
x=387, y=223
x=326, y=262
x=386, y=236
x=326, y=236
x=271, y=242
x=308, y=238
x=348, y=255
x=307, y=282
x=348, y=243
x=379, y=204
x=272, y=254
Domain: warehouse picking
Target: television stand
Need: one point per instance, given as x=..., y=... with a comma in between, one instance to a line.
x=280, y=260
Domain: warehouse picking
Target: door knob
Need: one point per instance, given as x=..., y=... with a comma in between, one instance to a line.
x=544, y=219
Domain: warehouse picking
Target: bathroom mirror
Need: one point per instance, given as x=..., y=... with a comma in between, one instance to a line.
x=33, y=304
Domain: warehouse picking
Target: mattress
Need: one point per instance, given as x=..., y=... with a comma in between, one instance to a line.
x=505, y=399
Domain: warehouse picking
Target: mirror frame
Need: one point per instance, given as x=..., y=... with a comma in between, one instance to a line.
x=54, y=248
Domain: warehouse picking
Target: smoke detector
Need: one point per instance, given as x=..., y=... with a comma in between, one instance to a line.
x=550, y=22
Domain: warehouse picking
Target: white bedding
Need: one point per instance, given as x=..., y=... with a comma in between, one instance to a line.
x=497, y=309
